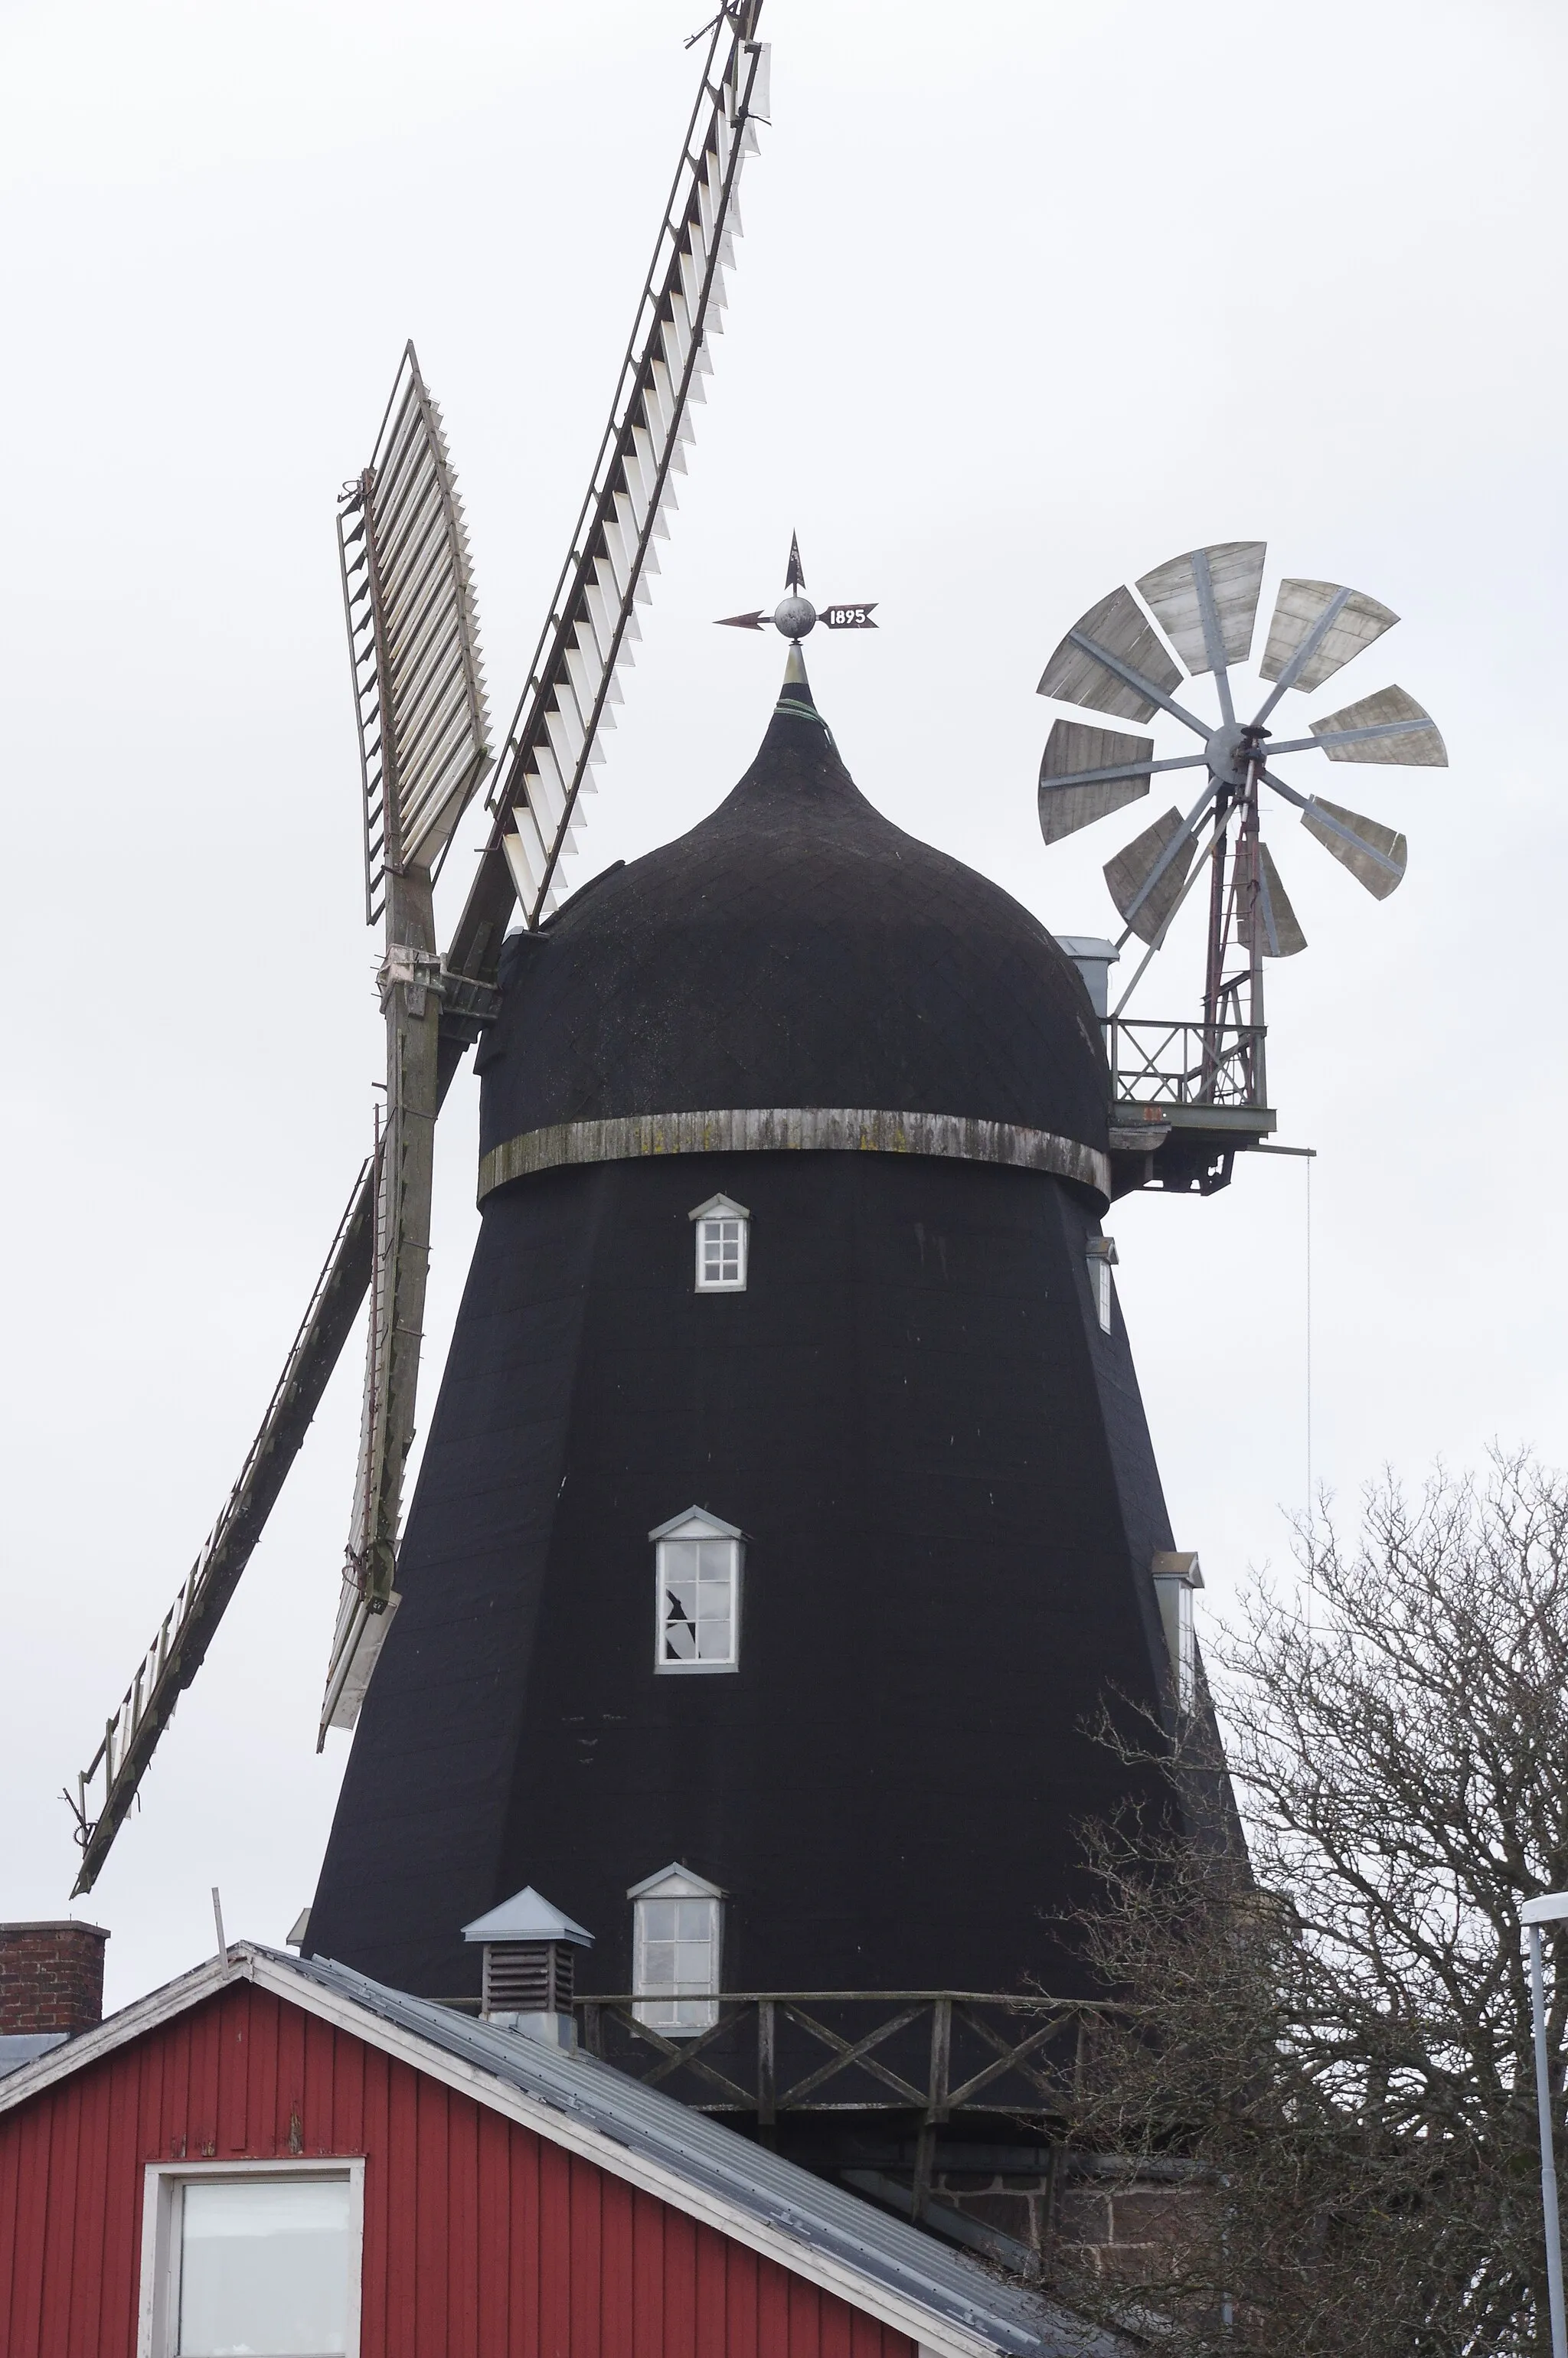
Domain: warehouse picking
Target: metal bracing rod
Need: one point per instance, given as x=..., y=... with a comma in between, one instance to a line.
x=1349, y=736
x=1303, y=654
x=1326, y=820
x=1159, y=941
x=1188, y=829
x=1124, y=673
x=1125, y=770
x=1290, y=792
x=1212, y=638
x=1215, y=968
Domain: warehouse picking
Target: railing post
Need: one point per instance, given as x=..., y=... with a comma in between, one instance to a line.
x=766, y=2082
x=925, y=2165
x=593, y=2029
x=936, y=2085
x=941, y=2059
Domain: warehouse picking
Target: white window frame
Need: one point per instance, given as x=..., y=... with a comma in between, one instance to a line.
x=1102, y=1259
x=683, y=2011
x=722, y=1207
x=1178, y=1575
x=165, y=2181
x=695, y=1525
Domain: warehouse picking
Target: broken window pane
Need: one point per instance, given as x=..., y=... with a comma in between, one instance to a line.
x=699, y=1580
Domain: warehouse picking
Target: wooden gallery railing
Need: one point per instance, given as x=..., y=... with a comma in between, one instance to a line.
x=929, y=2052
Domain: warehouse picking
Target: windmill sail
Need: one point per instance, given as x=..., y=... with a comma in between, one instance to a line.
x=419, y=700
x=552, y=746
x=612, y=551
x=107, y=1785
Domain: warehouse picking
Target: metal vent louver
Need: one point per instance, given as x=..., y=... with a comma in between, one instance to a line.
x=528, y=1977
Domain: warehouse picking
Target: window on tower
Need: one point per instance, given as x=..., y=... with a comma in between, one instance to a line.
x=723, y=1229
x=1177, y=1574
x=697, y=1576
x=1102, y=1260
x=677, y=1927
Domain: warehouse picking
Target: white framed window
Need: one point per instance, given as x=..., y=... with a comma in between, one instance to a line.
x=677, y=1925
x=723, y=1231
x=697, y=1563
x=1178, y=1575
x=255, y=2257
x=1102, y=1259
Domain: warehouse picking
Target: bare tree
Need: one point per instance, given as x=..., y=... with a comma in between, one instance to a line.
x=1331, y=2026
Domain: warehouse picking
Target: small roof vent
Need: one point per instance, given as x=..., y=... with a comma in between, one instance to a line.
x=526, y=1916
x=529, y=1966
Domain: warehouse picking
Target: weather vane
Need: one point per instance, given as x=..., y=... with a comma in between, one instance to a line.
x=794, y=614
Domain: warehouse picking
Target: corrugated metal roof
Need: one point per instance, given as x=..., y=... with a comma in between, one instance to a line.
x=776, y=2193
x=20, y=2046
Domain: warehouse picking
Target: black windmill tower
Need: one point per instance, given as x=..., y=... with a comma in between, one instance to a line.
x=788, y=1505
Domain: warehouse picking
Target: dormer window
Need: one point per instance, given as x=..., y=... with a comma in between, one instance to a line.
x=1177, y=1576
x=677, y=1926
x=697, y=1573
x=722, y=1230
x=1102, y=1260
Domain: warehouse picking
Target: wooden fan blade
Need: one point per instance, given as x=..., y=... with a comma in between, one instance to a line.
x=1119, y=625
x=1280, y=928
x=1066, y=804
x=1146, y=879
x=1235, y=579
x=1374, y=854
x=1388, y=727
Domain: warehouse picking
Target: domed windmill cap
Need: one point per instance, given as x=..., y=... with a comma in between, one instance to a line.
x=526, y=1916
x=796, y=956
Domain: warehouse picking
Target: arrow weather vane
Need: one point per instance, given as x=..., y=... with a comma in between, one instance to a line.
x=794, y=615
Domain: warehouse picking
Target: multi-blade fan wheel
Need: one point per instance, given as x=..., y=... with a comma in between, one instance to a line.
x=1114, y=661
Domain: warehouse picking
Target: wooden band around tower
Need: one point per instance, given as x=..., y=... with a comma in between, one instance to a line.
x=798, y=1129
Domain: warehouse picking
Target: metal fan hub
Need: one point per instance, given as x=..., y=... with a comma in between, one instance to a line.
x=1226, y=753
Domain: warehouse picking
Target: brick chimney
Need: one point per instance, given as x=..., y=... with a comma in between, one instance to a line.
x=51, y=1978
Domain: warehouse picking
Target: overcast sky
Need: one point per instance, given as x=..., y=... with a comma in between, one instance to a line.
x=1031, y=297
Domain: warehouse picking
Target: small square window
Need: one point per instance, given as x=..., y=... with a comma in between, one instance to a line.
x=259, y=2258
x=723, y=1231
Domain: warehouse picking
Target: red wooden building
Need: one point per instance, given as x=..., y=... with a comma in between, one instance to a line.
x=276, y=2155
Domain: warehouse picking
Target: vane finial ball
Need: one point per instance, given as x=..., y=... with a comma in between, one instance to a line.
x=794, y=617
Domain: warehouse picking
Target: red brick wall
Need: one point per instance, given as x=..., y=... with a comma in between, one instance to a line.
x=52, y=1977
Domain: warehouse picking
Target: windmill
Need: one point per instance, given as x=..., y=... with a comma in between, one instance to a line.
x=425, y=749
x=1207, y=1081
